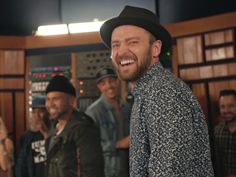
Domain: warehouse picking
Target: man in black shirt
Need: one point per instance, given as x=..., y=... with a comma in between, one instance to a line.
x=32, y=155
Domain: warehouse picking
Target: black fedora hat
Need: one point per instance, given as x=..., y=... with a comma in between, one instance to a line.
x=138, y=17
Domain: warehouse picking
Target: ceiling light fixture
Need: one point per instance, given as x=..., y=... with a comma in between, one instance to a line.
x=70, y=28
x=85, y=27
x=52, y=30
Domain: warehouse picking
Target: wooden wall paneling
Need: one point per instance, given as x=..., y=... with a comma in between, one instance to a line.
x=199, y=49
x=12, y=62
x=180, y=50
x=218, y=37
x=220, y=70
x=190, y=73
x=219, y=53
x=208, y=53
x=224, y=70
x=216, y=54
x=223, y=37
x=229, y=52
x=232, y=69
x=206, y=72
x=232, y=84
x=12, y=83
x=216, y=45
x=190, y=50
x=209, y=38
x=175, y=69
x=229, y=35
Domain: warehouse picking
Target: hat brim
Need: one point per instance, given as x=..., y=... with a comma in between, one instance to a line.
x=38, y=106
x=157, y=30
x=105, y=76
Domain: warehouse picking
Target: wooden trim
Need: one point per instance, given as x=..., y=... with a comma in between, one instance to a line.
x=208, y=63
x=12, y=83
x=223, y=78
x=201, y=25
x=12, y=42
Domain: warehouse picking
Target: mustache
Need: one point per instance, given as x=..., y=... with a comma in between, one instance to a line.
x=229, y=113
x=127, y=55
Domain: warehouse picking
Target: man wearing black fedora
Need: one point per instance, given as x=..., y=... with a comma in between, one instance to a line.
x=169, y=135
x=73, y=145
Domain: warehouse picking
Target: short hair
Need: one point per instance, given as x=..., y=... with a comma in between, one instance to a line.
x=152, y=38
x=228, y=92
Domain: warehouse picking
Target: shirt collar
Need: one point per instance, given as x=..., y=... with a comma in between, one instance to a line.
x=144, y=80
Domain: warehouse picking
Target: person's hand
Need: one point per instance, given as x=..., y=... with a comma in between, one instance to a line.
x=3, y=135
x=42, y=128
x=123, y=143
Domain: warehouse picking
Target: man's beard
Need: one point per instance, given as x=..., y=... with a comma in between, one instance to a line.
x=61, y=114
x=231, y=118
x=141, y=69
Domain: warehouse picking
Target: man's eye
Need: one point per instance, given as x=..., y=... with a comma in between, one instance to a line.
x=115, y=45
x=133, y=42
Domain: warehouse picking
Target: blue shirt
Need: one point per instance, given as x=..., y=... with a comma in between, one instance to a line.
x=113, y=126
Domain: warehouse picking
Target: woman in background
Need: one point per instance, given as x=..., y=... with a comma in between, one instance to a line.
x=6, y=152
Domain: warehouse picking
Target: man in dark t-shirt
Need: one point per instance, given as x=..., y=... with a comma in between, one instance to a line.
x=32, y=154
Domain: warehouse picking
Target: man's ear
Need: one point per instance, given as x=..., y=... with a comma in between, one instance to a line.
x=156, y=48
x=99, y=87
x=72, y=100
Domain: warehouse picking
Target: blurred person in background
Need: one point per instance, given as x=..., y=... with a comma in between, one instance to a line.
x=225, y=135
x=73, y=145
x=6, y=152
x=32, y=154
x=112, y=116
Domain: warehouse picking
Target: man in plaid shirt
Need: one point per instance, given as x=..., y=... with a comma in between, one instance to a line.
x=225, y=136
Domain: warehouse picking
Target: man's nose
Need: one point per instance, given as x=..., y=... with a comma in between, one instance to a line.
x=108, y=84
x=122, y=49
x=225, y=110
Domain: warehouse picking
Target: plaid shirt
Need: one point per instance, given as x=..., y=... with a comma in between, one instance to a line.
x=225, y=150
